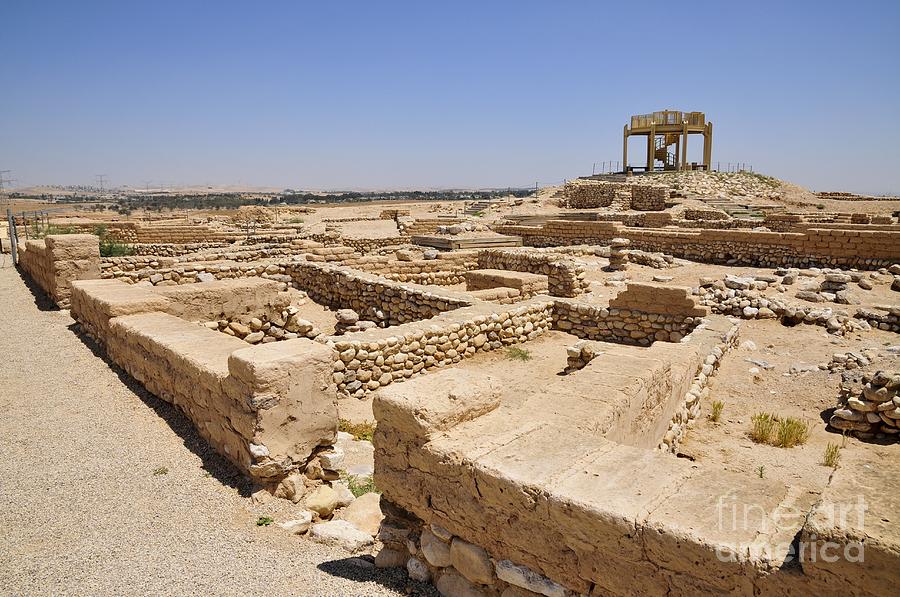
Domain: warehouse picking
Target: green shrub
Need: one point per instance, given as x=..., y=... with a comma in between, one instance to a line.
x=518, y=354
x=361, y=485
x=360, y=431
x=264, y=521
x=791, y=432
x=763, y=427
x=832, y=455
x=776, y=431
x=717, y=407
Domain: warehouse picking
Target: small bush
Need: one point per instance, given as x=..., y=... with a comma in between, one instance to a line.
x=763, y=427
x=776, y=431
x=717, y=407
x=295, y=221
x=361, y=485
x=832, y=455
x=518, y=354
x=161, y=471
x=360, y=431
x=761, y=471
x=820, y=206
x=264, y=521
x=791, y=432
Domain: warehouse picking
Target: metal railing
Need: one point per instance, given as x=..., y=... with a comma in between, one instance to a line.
x=668, y=117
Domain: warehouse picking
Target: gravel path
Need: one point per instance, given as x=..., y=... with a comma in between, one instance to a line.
x=81, y=510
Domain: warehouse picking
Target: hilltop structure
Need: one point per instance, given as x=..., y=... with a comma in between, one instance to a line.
x=667, y=129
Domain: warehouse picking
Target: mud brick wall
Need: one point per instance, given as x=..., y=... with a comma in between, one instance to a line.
x=57, y=260
x=372, y=297
x=564, y=277
x=369, y=360
x=641, y=314
x=825, y=247
x=266, y=408
x=262, y=407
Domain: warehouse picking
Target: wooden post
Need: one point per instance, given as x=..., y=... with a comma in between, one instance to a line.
x=651, y=147
x=684, y=145
x=625, y=149
x=707, y=147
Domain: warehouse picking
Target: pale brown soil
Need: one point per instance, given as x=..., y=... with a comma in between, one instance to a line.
x=806, y=396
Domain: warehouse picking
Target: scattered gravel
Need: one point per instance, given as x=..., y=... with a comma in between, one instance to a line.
x=105, y=489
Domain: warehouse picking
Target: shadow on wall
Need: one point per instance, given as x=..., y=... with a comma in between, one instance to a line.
x=362, y=569
x=217, y=466
x=41, y=299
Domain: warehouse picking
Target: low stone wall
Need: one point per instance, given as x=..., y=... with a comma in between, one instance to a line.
x=95, y=302
x=641, y=314
x=197, y=272
x=266, y=408
x=565, y=278
x=591, y=194
x=814, y=247
x=54, y=262
x=375, y=358
x=527, y=284
x=135, y=232
x=172, y=250
x=649, y=197
x=705, y=214
x=372, y=297
x=446, y=269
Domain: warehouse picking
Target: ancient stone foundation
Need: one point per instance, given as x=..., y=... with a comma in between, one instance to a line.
x=54, y=262
x=266, y=408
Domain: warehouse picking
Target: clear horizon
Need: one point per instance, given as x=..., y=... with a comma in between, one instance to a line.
x=410, y=95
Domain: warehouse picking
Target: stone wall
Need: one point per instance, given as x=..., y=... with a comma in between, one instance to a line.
x=489, y=493
x=372, y=297
x=565, y=278
x=649, y=197
x=167, y=232
x=57, y=260
x=864, y=249
x=641, y=314
x=375, y=358
x=266, y=408
x=591, y=194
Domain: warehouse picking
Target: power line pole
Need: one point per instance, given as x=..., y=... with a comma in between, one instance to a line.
x=4, y=179
x=101, y=178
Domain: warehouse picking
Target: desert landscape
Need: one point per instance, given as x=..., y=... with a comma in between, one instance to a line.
x=674, y=382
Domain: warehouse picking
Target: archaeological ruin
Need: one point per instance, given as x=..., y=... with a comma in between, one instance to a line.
x=645, y=385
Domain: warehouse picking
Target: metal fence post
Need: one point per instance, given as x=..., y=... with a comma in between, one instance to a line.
x=13, y=245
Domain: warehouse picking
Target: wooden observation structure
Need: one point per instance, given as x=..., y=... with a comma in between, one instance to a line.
x=667, y=139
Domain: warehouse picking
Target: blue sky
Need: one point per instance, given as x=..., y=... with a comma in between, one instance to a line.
x=421, y=94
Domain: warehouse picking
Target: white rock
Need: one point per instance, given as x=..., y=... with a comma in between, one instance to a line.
x=332, y=459
x=526, y=578
x=298, y=525
x=341, y=533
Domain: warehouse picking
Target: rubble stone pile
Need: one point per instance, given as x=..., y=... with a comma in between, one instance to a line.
x=618, y=254
x=870, y=406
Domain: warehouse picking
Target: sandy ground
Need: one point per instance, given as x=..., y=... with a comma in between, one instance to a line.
x=81, y=510
x=808, y=396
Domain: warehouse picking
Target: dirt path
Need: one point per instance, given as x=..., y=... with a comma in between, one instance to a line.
x=82, y=510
